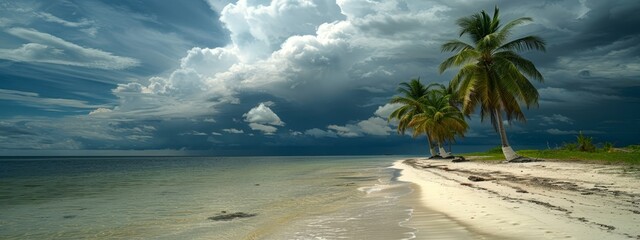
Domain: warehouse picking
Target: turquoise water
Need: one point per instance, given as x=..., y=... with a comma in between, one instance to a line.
x=172, y=197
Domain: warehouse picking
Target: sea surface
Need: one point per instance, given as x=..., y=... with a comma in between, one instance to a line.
x=173, y=197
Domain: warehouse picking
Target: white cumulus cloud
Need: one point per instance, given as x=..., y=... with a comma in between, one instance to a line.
x=333, y=48
x=375, y=126
x=319, y=133
x=233, y=130
x=100, y=110
x=260, y=28
x=348, y=130
x=386, y=110
x=262, y=118
x=266, y=129
x=262, y=114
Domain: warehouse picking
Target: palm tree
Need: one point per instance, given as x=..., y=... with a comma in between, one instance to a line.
x=492, y=74
x=411, y=93
x=455, y=101
x=442, y=120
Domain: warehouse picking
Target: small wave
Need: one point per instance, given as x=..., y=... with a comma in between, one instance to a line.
x=412, y=233
x=375, y=188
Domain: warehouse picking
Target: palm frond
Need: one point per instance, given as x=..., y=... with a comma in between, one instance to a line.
x=525, y=66
x=463, y=57
x=455, y=45
x=525, y=44
x=489, y=42
x=506, y=30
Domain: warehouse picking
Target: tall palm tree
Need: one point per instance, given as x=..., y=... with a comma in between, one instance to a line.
x=410, y=94
x=492, y=74
x=442, y=120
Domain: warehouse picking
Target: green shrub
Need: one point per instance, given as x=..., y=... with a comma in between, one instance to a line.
x=634, y=148
x=585, y=144
x=607, y=146
x=569, y=146
x=496, y=149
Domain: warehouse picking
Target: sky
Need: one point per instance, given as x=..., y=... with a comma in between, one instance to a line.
x=290, y=77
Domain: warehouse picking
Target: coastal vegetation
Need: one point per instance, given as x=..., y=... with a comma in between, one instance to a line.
x=429, y=110
x=442, y=120
x=492, y=75
x=605, y=154
x=495, y=79
x=410, y=95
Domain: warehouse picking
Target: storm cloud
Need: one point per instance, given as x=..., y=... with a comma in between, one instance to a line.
x=287, y=77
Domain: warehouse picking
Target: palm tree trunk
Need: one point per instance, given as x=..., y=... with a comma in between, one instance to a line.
x=443, y=153
x=508, y=152
x=431, y=150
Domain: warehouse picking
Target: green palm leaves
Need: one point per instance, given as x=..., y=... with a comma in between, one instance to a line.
x=428, y=110
x=438, y=118
x=492, y=76
x=411, y=93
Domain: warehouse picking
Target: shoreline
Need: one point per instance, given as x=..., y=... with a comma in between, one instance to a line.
x=541, y=200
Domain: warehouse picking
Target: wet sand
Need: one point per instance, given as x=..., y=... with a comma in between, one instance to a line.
x=540, y=200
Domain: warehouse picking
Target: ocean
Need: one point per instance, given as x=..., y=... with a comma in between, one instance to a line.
x=338, y=197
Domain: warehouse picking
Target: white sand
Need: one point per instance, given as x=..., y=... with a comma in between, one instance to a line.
x=562, y=200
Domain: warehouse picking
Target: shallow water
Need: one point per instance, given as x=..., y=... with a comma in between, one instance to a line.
x=172, y=197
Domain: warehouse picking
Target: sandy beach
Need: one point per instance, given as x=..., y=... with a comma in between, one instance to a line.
x=539, y=200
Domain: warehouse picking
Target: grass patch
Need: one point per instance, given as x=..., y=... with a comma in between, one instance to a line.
x=629, y=155
x=493, y=154
x=598, y=156
x=484, y=156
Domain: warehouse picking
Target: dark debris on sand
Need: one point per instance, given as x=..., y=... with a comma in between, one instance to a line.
x=230, y=216
x=452, y=158
x=474, y=178
x=523, y=160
